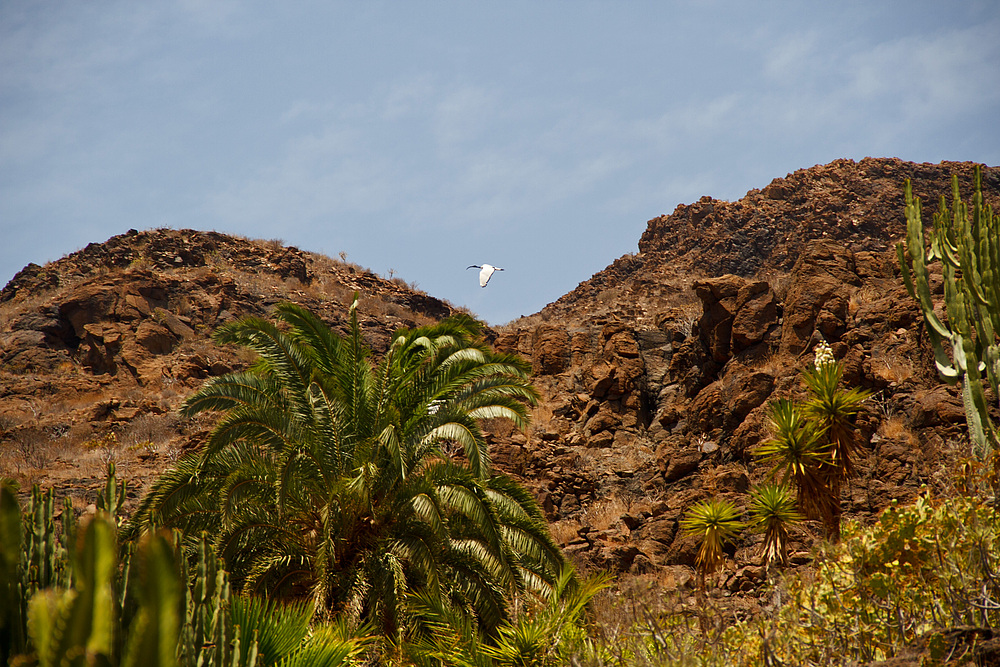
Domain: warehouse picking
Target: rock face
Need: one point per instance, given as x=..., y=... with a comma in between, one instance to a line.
x=655, y=374
x=665, y=369
x=109, y=341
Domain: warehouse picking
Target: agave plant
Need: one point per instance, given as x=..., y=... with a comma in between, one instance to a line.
x=356, y=483
x=714, y=522
x=773, y=512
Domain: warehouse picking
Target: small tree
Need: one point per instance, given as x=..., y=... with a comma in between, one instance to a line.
x=772, y=511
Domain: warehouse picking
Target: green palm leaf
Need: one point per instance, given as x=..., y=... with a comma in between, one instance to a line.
x=328, y=476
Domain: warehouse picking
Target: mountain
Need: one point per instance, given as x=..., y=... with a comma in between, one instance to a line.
x=655, y=374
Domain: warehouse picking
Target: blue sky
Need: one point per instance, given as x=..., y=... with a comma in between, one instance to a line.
x=421, y=137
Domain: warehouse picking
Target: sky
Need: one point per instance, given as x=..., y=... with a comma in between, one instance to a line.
x=419, y=137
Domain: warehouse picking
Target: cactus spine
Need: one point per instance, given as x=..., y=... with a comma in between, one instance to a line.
x=967, y=243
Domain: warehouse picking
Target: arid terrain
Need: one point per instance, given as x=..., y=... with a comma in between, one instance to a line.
x=655, y=374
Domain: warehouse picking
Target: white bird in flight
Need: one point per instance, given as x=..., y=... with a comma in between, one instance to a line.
x=486, y=271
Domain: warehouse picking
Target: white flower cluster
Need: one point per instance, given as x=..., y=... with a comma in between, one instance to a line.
x=824, y=355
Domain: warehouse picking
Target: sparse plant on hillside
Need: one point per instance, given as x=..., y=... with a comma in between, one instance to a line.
x=772, y=511
x=813, y=443
x=833, y=409
x=796, y=451
x=966, y=240
x=327, y=475
x=714, y=522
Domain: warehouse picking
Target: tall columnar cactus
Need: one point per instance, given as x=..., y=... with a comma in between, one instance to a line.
x=45, y=556
x=12, y=599
x=967, y=243
x=208, y=638
x=77, y=626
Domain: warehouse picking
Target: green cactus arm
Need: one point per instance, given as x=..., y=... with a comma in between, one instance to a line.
x=45, y=609
x=904, y=269
x=76, y=626
x=920, y=281
x=918, y=285
x=155, y=634
x=91, y=620
x=12, y=631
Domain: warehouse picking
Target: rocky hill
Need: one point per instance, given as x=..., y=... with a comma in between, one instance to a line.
x=655, y=373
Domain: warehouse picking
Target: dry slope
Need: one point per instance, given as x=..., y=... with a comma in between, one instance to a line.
x=655, y=373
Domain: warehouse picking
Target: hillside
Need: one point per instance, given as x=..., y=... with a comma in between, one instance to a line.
x=654, y=374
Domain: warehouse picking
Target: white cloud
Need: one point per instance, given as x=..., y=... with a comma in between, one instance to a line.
x=793, y=58
x=925, y=77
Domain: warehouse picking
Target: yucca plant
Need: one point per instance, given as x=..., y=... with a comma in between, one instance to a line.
x=799, y=456
x=332, y=477
x=773, y=512
x=714, y=522
x=832, y=410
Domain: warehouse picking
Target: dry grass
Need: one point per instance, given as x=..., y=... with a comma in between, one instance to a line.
x=603, y=514
x=862, y=296
x=891, y=366
x=146, y=431
x=269, y=244
x=772, y=363
x=779, y=281
x=565, y=531
x=895, y=428
x=600, y=515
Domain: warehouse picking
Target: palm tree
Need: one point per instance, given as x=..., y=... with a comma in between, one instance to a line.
x=773, y=512
x=714, y=522
x=331, y=477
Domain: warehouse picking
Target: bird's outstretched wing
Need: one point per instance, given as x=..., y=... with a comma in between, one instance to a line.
x=486, y=274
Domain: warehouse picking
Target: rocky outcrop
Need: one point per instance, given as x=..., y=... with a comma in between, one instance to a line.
x=655, y=374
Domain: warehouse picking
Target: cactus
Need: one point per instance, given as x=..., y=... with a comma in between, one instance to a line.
x=92, y=608
x=155, y=632
x=12, y=608
x=112, y=497
x=45, y=558
x=209, y=637
x=77, y=626
x=967, y=243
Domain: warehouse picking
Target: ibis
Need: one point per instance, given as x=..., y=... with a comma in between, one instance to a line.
x=485, y=272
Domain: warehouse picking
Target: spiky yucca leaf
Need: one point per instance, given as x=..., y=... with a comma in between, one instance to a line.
x=797, y=451
x=832, y=409
x=714, y=522
x=773, y=512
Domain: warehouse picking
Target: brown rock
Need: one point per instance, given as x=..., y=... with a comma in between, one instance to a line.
x=681, y=464
x=936, y=406
x=155, y=338
x=756, y=313
x=719, y=298
x=550, y=350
